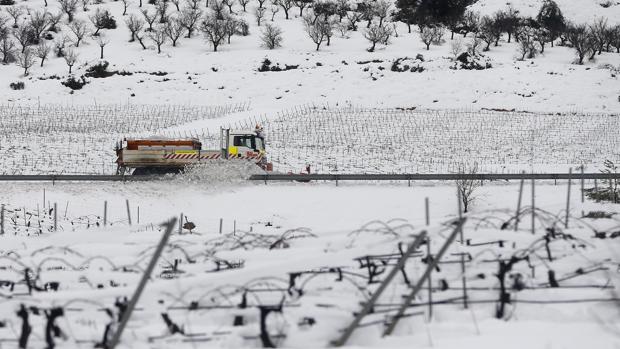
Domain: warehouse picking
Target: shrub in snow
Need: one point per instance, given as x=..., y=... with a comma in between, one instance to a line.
x=266, y=66
x=17, y=85
x=99, y=70
x=408, y=64
x=468, y=61
x=75, y=84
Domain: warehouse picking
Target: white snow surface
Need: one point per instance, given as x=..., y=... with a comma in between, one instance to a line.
x=318, y=226
x=197, y=76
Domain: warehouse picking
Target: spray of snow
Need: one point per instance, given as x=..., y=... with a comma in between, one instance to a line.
x=219, y=172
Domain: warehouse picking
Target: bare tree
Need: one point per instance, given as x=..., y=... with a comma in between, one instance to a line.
x=261, y=3
x=15, y=12
x=149, y=18
x=382, y=10
x=85, y=4
x=158, y=36
x=274, y=9
x=599, y=35
x=470, y=23
x=80, y=29
x=214, y=30
x=54, y=19
x=259, y=13
x=39, y=22
x=190, y=18
x=231, y=26
x=218, y=6
x=26, y=59
x=527, y=45
x=140, y=37
x=286, y=6
x=456, y=47
x=316, y=30
x=162, y=10
x=99, y=20
x=126, y=4
x=24, y=35
x=354, y=17
x=489, y=31
x=7, y=48
x=243, y=4
x=43, y=51
x=102, y=41
x=193, y=4
x=467, y=187
x=69, y=7
x=177, y=4
x=229, y=4
x=70, y=58
x=271, y=36
x=135, y=24
x=431, y=35
x=579, y=36
x=302, y=4
x=174, y=29
x=377, y=33
x=59, y=45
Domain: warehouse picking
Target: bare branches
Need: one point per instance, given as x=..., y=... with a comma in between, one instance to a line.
x=69, y=7
x=431, y=35
x=174, y=29
x=259, y=13
x=80, y=29
x=190, y=18
x=271, y=36
x=466, y=187
x=42, y=51
x=158, y=36
x=377, y=33
x=214, y=30
x=70, y=57
x=102, y=40
x=135, y=25
x=26, y=59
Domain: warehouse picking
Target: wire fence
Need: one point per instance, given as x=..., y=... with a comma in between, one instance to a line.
x=41, y=139
x=364, y=140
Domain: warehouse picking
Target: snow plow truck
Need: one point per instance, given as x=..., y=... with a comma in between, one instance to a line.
x=148, y=156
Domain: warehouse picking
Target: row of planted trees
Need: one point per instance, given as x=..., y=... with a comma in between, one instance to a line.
x=27, y=34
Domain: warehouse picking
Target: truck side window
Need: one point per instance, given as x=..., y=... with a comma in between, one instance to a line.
x=244, y=141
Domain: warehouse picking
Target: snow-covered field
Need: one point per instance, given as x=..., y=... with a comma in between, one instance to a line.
x=272, y=232
x=312, y=253
x=198, y=76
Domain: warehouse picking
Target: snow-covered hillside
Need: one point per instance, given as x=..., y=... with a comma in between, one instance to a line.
x=334, y=75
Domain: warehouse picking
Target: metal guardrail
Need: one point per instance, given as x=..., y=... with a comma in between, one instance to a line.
x=328, y=177
x=81, y=178
x=430, y=176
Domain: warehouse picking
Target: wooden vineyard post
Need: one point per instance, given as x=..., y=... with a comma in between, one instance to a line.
x=416, y=288
x=519, y=203
x=145, y=277
x=570, y=172
x=427, y=213
x=55, y=217
x=368, y=306
x=128, y=211
x=533, y=206
x=105, y=213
